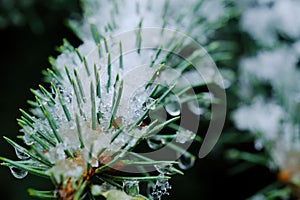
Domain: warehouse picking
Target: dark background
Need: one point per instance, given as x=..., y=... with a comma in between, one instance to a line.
x=25, y=46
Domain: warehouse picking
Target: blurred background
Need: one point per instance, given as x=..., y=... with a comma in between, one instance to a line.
x=30, y=31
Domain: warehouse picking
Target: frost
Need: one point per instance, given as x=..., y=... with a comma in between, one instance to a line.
x=138, y=103
x=178, y=15
x=56, y=153
x=119, y=142
x=67, y=169
x=96, y=190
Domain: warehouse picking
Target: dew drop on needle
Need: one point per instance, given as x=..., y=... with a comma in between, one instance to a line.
x=18, y=173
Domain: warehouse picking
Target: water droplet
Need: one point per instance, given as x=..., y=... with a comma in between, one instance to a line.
x=96, y=190
x=106, y=186
x=149, y=188
x=258, y=145
x=186, y=161
x=28, y=139
x=227, y=83
x=208, y=96
x=165, y=169
x=258, y=197
x=131, y=187
x=228, y=77
x=173, y=108
x=183, y=136
x=21, y=155
x=155, y=143
x=18, y=173
x=195, y=108
x=149, y=104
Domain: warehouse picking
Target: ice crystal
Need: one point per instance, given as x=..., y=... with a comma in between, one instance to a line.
x=183, y=136
x=160, y=188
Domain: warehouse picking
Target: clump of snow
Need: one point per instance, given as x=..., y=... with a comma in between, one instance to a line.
x=260, y=117
x=265, y=20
